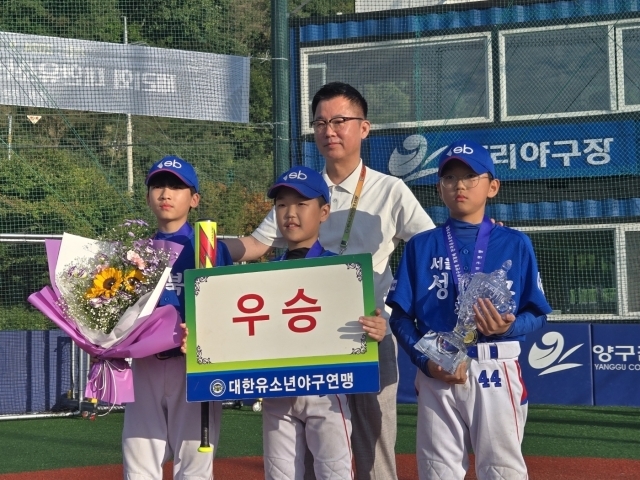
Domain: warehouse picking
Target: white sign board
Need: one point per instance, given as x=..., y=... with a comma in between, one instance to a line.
x=382, y=5
x=267, y=325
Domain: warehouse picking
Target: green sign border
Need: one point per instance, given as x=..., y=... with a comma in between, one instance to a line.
x=190, y=276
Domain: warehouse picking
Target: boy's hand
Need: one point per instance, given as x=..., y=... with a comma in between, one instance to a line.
x=458, y=378
x=489, y=321
x=183, y=341
x=375, y=326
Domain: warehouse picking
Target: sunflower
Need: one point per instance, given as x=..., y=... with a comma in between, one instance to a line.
x=105, y=284
x=132, y=279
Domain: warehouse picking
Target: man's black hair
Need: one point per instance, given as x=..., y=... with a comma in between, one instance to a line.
x=339, y=89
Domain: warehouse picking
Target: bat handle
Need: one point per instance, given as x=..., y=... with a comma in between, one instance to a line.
x=205, y=446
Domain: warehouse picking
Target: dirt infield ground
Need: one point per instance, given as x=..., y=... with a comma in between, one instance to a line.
x=250, y=468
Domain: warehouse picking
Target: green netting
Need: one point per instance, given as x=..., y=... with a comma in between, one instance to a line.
x=65, y=170
x=550, y=87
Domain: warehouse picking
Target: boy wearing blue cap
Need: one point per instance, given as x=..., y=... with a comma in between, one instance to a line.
x=482, y=405
x=323, y=423
x=160, y=424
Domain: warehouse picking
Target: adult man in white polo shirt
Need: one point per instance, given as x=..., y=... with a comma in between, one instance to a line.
x=386, y=211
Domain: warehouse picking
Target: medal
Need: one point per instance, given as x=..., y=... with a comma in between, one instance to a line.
x=471, y=337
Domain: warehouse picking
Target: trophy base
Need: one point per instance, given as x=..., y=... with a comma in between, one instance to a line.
x=445, y=349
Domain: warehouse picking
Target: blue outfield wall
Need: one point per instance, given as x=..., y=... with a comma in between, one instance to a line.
x=569, y=364
x=564, y=364
x=35, y=370
x=509, y=14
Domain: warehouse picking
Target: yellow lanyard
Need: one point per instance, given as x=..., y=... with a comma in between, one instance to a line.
x=352, y=210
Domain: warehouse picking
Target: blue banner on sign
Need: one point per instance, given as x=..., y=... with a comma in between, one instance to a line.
x=519, y=153
x=283, y=382
x=616, y=364
x=556, y=364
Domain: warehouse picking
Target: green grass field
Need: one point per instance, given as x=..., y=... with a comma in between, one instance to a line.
x=45, y=444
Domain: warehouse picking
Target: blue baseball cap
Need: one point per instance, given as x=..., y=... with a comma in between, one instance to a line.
x=473, y=154
x=179, y=167
x=304, y=180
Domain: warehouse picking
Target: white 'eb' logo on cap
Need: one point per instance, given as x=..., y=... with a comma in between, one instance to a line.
x=462, y=149
x=300, y=175
x=169, y=163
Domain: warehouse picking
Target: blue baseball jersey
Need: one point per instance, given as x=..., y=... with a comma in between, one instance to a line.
x=316, y=250
x=424, y=289
x=174, y=290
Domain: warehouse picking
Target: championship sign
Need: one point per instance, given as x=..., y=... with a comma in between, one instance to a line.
x=280, y=329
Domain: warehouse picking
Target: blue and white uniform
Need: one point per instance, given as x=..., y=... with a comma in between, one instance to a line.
x=488, y=412
x=323, y=423
x=160, y=424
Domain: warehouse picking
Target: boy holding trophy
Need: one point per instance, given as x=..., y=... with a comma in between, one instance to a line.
x=462, y=327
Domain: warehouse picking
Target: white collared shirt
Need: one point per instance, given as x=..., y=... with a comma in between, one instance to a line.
x=387, y=213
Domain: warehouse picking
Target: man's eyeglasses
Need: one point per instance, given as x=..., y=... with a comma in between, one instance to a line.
x=337, y=123
x=470, y=180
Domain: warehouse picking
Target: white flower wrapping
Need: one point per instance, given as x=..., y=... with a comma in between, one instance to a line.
x=76, y=252
x=104, y=295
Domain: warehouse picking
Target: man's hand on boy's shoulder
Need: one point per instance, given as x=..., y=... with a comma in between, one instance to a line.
x=489, y=321
x=375, y=326
x=458, y=378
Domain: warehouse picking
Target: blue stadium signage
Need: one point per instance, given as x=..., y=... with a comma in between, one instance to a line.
x=519, y=153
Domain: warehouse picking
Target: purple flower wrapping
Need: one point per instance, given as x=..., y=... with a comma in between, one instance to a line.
x=110, y=379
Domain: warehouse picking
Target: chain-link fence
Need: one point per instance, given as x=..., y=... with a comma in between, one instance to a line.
x=550, y=87
x=91, y=94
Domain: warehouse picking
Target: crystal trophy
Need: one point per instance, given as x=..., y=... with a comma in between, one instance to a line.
x=449, y=349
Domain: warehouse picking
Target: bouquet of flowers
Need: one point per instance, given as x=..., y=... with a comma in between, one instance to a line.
x=103, y=294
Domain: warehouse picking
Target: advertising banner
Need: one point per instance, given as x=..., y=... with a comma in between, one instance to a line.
x=280, y=329
x=556, y=364
x=69, y=74
x=616, y=364
x=519, y=153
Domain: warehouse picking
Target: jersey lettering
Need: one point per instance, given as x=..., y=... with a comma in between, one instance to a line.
x=440, y=263
x=441, y=284
x=175, y=283
x=486, y=382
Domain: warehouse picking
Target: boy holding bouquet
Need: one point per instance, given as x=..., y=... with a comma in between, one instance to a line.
x=160, y=424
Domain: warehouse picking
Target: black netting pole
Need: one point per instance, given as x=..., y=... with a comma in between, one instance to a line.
x=280, y=84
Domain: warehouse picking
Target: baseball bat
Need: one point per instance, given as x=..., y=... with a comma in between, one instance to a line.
x=205, y=233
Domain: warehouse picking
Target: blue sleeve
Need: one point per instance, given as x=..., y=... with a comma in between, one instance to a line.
x=223, y=257
x=173, y=293
x=401, y=300
x=404, y=328
x=525, y=322
x=401, y=292
x=533, y=307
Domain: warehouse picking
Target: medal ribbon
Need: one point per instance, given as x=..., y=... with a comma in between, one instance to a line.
x=479, y=254
x=352, y=210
